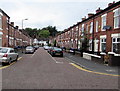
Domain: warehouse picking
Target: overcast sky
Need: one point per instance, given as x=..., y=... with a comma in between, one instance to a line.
x=42, y=13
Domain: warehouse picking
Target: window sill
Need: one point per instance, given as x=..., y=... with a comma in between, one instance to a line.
x=116, y=28
x=114, y=53
x=1, y=29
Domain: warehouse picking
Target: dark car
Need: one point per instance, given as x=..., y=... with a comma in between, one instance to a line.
x=54, y=51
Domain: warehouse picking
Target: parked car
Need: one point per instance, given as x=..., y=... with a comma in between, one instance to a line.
x=36, y=47
x=63, y=48
x=29, y=49
x=56, y=51
x=46, y=47
x=49, y=49
x=7, y=55
x=72, y=50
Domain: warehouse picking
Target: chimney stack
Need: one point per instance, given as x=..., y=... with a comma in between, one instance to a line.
x=90, y=14
x=98, y=10
x=83, y=18
x=111, y=3
x=12, y=23
x=17, y=27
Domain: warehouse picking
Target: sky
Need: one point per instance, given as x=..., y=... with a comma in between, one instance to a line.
x=42, y=13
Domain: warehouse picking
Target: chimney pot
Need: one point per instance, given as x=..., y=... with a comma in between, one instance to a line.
x=111, y=3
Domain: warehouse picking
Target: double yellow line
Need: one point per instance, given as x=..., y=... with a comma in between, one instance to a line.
x=10, y=64
x=92, y=71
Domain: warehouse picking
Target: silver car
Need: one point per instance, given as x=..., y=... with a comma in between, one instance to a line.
x=29, y=49
x=46, y=47
x=7, y=55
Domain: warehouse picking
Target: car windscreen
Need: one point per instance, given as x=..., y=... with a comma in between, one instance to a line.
x=3, y=50
x=29, y=47
x=57, y=49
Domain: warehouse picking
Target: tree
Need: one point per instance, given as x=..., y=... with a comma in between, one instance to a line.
x=84, y=42
x=41, y=34
x=53, y=31
x=44, y=33
x=54, y=43
x=32, y=32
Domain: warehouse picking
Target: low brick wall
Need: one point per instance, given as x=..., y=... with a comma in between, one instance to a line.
x=97, y=59
x=114, y=60
x=93, y=57
x=87, y=56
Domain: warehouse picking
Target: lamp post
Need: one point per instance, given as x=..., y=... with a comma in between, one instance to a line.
x=22, y=32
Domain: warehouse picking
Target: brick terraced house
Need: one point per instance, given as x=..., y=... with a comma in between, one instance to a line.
x=10, y=35
x=102, y=30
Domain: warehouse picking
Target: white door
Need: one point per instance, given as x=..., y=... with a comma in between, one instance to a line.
x=96, y=45
x=0, y=40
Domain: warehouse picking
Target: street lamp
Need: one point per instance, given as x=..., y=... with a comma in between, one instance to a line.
x=22, y=31
x=22, y=22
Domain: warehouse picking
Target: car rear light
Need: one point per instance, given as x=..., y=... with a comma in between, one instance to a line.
x=53, y=50
x=5, y=55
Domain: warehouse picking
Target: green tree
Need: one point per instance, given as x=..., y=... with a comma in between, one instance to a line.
x=53, y=31
x=44, y=33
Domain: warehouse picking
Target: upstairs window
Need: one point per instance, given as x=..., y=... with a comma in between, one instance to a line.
x=103, y=21
x=86, y=28
x=117, y=18
x=91, y=27
x=82, y=30
x=0, y=22
x=96, y=26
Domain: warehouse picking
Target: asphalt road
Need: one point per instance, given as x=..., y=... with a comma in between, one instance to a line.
x=41, y=71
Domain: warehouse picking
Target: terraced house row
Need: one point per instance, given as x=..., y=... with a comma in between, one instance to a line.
x=11, y=35
x=101, y=30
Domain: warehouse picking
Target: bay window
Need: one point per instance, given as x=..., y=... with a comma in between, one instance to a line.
x=116, y=45
x=103, y=43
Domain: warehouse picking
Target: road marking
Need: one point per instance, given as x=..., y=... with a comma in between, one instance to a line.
x=19, y=58
x=54, y=59
x=10, y=64
x=32, y=55
x=7, y=65
x=91, y=71
x=75, y=62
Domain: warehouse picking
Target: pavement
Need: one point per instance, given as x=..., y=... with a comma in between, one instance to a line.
x=92, y=65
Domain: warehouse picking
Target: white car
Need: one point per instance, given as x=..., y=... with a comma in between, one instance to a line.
x=46, y=47
x=7, y=55
x=29, y=49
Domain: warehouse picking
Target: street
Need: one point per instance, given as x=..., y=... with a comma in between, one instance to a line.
x=42, y=71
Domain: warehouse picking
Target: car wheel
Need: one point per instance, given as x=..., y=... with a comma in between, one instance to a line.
x=16, y=58
x=9, y=62
x=61, y=55
x=52, y=54
x=3, y=64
